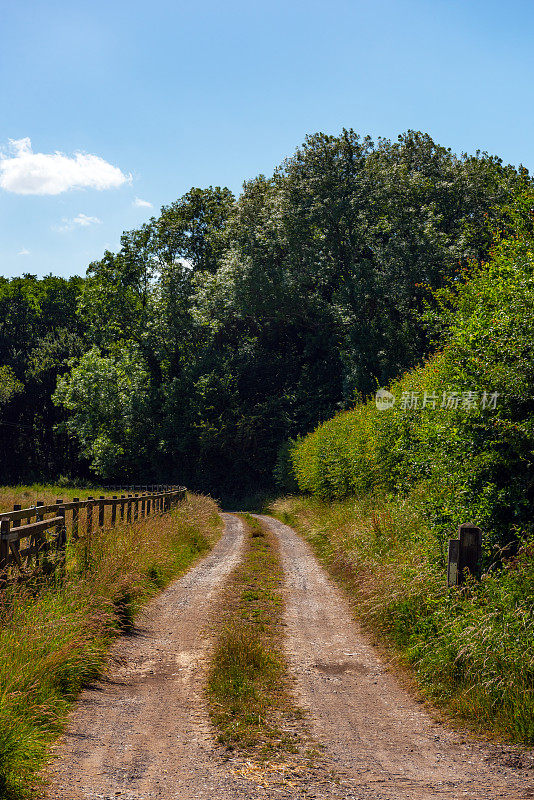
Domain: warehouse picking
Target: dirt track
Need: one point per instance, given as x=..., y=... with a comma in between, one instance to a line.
x=144, y=732
x=382, y=743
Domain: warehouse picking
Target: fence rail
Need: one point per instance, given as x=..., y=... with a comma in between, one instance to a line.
x=34, y=531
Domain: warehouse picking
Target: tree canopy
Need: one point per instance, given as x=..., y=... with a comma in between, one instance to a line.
x=225, y=326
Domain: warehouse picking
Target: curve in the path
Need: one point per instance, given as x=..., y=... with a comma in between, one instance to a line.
x=383, y=744
x=144, y=732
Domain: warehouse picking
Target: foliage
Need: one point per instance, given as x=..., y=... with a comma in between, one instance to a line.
x=258, y=317
x=464, y=462
x=9, y=385
x=39, y=333
x=110, y=400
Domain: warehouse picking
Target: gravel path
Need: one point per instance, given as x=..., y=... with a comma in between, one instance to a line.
x=382, y=744
x=144, y=732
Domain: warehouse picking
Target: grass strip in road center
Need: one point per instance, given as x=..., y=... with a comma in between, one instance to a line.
x=248, y=687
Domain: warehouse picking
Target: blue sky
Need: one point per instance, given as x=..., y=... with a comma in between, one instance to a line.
x=132, y=103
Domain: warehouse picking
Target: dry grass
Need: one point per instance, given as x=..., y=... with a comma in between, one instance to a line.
x=27, y=496
x=55, y=632
x=248, y=687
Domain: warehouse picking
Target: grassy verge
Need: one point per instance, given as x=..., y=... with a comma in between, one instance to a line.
x=248, y=685
x=55, y=633
x=472, y=649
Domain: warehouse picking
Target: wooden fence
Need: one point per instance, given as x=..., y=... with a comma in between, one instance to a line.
x=27, y=533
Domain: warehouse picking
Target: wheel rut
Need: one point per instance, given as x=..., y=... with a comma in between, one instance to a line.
x=143, y=732
x=382, y=744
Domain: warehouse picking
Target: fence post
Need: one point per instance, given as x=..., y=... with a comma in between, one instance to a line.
x=122, y=507
x=114, y=512
x=89, y=516
x=16, y=545
x=75, y=517
x=59, y=502
x=143, y=505
x=4, y=546
x=101, y=511
x=62, y=534
x=129, y=509
x=136, y=507
x=34, y=541
x=452, y=562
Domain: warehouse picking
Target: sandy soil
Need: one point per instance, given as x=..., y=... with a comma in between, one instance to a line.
x=382, y=743
x=144, y=732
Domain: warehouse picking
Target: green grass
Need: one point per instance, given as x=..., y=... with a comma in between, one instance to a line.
x=248, y=686
x=471, y=649
x=55, y=632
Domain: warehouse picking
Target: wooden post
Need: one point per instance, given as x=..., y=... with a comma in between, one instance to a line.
x=136, y=507
x=62, y=533
x=38, y=517
x=101, y=510
x=89, y=516
x=114, y=512
x=129, y=509
x=4, y=546
x=59, y=502
x=452, y=563
x=465, y=555
x=75, y=517
x=143, y=505
x=470, y=551
x=122, y=507
x=16, y=545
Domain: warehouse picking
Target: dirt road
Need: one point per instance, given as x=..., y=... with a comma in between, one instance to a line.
x=383, y=744
x=144, y=732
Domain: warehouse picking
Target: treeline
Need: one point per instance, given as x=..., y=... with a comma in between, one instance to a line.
x=39, y=332
x=227, y=326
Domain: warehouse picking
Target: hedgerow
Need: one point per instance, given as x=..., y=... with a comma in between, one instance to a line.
x=467, y=452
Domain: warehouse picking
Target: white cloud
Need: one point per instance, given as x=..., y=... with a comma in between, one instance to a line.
x=23, y=252
x=79, y=221
x=138, y=203
x=24, y=172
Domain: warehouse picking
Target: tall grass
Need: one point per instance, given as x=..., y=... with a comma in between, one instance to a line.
x=28, y=495
x=55, y=632
x=472, y=648
x=248, y=689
